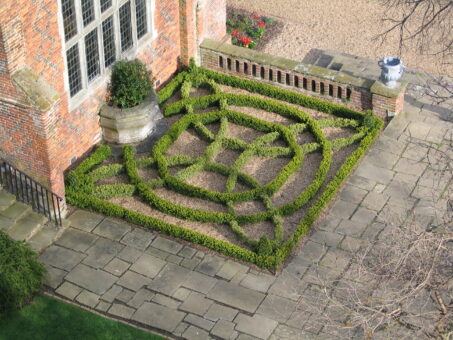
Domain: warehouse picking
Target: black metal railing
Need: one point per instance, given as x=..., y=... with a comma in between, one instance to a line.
x=28, y=191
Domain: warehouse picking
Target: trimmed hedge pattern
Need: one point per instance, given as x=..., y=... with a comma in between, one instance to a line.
x=83, y=191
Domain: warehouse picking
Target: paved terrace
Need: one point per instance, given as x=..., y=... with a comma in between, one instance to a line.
x=154, y=282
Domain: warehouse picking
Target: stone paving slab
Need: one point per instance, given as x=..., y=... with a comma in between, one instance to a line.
x=112, y=229
x=375, y=173
x=117, y=267
x=94, y=280
x=166, y=301
x=196, y=303
x=85, y=220
x=199, y=322
x=199, y=282
x=288, y=286
x=169, y=279
x=224, y=329
x=260, y=283
x=54, y=276
x=133, y=281
x=258, y=325
x=218, y=312
x=210, y=265
x=121, y=311
x=148, y=265
x=277, y=308
x=112, y=293
x=158, y=316
x=195, y=333
x=236, y=296
x=88, y=299
x=102, y=252
x=68, y=290
x=76, y=240
x=167, y=245
x=138, y=238
x=61, y=258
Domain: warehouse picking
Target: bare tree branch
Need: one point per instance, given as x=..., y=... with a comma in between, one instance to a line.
x=400, y=286
x=427, y=22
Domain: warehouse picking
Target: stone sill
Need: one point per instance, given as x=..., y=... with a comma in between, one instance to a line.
x=39, y=93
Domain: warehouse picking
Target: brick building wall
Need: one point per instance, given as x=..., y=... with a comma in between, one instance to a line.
x=44, y=142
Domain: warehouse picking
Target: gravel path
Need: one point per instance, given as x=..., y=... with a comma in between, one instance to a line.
x=345, y=25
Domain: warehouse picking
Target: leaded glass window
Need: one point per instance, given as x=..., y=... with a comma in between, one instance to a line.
x=105, y=4
x=92, y=54
x=109, y=41
x=140, y=17
x=97, y=33
x=69, y=19
x=126, y=26
x=87, y=11
x=74, y=75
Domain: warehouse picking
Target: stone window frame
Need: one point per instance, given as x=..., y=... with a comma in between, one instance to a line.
x=89, y=86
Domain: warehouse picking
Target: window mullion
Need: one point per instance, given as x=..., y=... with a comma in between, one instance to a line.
x=98, y=12
x=81, y=43
x=83, y=64
x=134, y=23
x=116, y=33
x=101, y=48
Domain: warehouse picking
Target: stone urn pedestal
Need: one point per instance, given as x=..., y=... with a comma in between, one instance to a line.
x=132, y=125
x=391, y=70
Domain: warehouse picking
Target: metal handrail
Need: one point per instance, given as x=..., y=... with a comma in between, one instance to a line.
x=31, y=192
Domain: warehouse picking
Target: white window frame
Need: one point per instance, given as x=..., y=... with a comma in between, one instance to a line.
x=89, y=87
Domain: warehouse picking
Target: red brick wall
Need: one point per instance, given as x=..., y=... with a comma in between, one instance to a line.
x=384, y=106
x=200, y=20
x=211, y=20
x=24, y=131
x=188, y=28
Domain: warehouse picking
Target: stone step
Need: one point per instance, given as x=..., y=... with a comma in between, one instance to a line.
x=48, y=234
x=6, y=199
x=15, y=211
x=5, y=223
x=27, y=226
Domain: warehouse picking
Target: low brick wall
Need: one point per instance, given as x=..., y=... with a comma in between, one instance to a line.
x=357, y=93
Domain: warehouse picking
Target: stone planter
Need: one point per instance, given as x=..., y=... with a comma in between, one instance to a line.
x=131, y=125
x=391, y=70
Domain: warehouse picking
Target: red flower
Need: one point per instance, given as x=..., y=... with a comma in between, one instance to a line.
x=246, y=41
x=255, y=16
x=260, y=23
x=235, y=33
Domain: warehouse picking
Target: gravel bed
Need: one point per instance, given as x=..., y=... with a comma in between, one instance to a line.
x=345, y=26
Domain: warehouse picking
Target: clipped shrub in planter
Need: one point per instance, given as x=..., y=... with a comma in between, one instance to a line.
x=133, y=112
x=21, y=274
x=131, y=83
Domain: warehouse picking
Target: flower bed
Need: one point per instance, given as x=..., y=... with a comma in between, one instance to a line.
x=260, y=213
x=249, y=29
